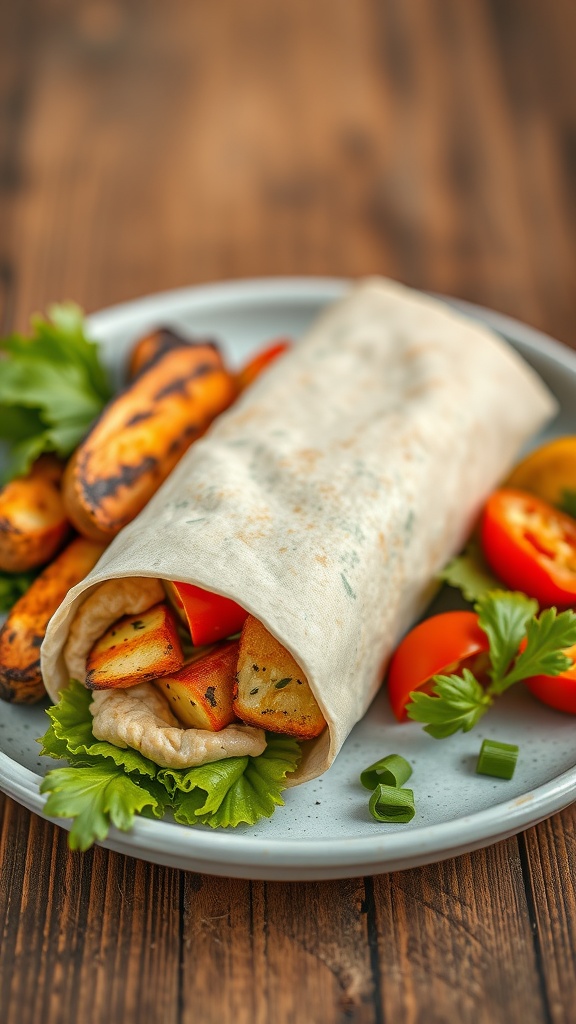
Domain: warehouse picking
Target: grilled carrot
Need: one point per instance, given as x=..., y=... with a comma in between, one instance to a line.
x=33, y=522
x=140, y=437
x=149, y=349
x=24, y=629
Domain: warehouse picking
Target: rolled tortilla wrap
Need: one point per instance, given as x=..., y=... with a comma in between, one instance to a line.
x=328, y=498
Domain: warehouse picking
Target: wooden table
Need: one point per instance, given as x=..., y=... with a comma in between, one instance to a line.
x=148, y=145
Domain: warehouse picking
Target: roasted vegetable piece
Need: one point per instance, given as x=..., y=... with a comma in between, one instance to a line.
x=33, y=522
x=272, y=691
x=104, y=606
x=200, y=694
x=209, y=617
x=140, y=437
x=149, y=349
x=135, y=649
x=23, y=631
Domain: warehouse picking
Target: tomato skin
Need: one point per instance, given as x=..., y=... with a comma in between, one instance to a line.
x=433, y=646
x=557, y=692
x=519, y=534
x=210, y=617
x=254, y=367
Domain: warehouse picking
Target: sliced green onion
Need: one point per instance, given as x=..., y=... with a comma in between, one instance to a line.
x=390, y=804
x=391, y=771
x=497, y=759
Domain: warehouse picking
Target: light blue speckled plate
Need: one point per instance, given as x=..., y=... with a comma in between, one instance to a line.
x=325, y=831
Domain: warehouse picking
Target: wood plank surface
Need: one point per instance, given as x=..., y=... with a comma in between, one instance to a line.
x=145, y=146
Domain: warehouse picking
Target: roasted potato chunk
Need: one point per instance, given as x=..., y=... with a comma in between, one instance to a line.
x=140, y=437
x=272, y=691
x=33, y=521
x=149, y=349
x=105, y=605
x=24, y=629
x=135, y=649
x=200, y=694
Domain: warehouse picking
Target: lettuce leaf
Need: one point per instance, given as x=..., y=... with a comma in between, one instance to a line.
x=52, y=388
x=94, y=796
x=568, y=503
x=105, y=785
x=235, y=790
x=470, y=573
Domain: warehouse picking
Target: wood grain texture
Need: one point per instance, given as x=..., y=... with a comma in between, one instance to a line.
x=146, y=146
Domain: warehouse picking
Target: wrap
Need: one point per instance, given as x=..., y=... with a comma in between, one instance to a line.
x=328, y=498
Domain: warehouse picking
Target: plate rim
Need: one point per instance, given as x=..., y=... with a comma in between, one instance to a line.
x=234, y=853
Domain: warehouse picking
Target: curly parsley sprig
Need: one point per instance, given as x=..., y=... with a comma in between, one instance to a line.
x=508, y=619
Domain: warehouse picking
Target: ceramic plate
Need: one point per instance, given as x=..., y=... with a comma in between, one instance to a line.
x=325, y=831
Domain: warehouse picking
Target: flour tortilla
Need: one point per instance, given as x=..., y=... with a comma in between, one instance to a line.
x=328, y=498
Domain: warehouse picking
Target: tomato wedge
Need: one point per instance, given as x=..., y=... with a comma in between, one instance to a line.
x=445, y=643
x=531, y=546
x=254, y=367
x=557, y=691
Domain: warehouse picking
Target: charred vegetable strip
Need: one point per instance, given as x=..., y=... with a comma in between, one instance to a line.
x=33, y=522
x=151, y=348
x=23, y=631
x=141, y=436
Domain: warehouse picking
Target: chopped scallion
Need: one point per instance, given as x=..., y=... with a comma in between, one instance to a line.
x=497, y=759
x=392, y=770
x=392, y=805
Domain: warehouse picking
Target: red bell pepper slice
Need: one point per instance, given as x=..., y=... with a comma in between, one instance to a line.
x=210, y=617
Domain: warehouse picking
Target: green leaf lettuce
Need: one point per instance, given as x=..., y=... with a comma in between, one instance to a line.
x=12, y=587
x=52, y=388
x=470, y=573
x=105, y=785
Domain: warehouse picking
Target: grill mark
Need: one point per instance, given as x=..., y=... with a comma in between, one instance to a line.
x=169, y=340
x=7, y=527
x=174, y=446
x=106, y=487
x=180, y=386
x=138, y=417
x=29, y=674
